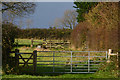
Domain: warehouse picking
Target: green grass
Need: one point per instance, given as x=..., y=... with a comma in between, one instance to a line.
x=27, y=73
x=52, y=76
x=27, y=41
x=95, y=75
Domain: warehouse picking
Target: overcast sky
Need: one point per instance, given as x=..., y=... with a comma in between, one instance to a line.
x=45, y=14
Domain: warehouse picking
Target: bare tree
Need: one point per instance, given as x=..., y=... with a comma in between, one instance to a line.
x=20, y=23
x=11, y=10
x=29, y=22
x=68, y=20
x=18, y=8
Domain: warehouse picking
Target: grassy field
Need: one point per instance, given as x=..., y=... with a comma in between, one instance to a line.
x=26, y=43
x=27, y=72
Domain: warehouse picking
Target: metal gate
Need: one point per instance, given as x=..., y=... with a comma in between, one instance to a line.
x=70, y=61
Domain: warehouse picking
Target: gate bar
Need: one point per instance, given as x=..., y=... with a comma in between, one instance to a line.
x=71, y=51
x=106, y=55
x=67, y=72
x=88, y=61
x=71, y=62
x=70, y=56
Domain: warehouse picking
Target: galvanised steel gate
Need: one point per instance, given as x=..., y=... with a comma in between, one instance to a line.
x=70, y=61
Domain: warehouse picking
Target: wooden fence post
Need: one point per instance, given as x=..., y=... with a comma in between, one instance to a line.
x=34, y=61
x=118, y=62
x=31, y=42
x=16, y=57
x=50, y=43
x=109, y=52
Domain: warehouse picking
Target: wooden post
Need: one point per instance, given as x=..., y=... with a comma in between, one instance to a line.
x=16, y=57
x=109, y=52
x=119, y=62
x=71, y=63
x=50, y=43
x=34, y=61
x=53, y=62
x=89, y=61
x=31, y=42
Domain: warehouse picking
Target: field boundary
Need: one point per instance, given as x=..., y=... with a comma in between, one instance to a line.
x=79, y=66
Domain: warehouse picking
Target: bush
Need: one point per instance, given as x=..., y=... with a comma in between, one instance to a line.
x=9, y=33
x=108, y=70
x=79, y=35
x=101, y=26
x=104, y=30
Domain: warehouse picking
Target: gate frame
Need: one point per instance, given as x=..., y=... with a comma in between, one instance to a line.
x=106, y=56
x=34, y=54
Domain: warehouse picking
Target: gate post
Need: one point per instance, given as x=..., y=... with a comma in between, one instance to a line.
x=31, y=42
x=71, y=62
x=16, y=57
x=109, y=52
x=88, y=61
x=106, y=55
x=118, y=56
x=34, y=61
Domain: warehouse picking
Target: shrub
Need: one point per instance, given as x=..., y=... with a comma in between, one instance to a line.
x=101, y=26
x=9, y=33
x=104, y=30
x=79, y=35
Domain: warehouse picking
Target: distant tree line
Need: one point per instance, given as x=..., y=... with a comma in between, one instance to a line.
x=51, y=33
